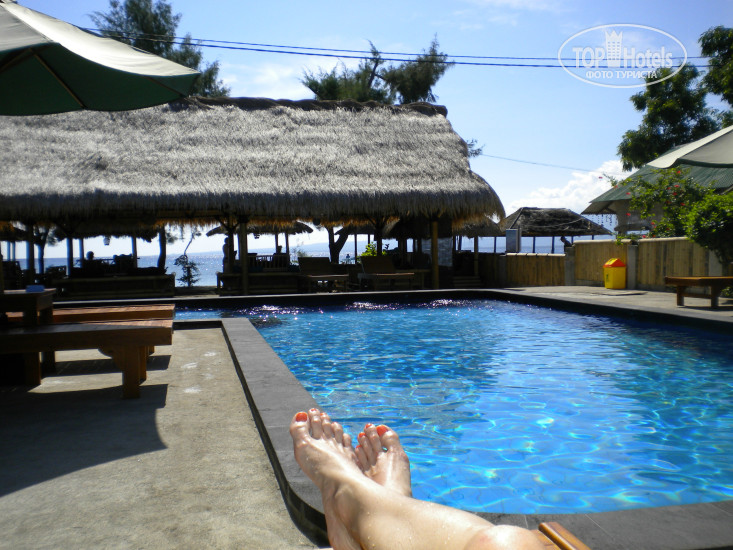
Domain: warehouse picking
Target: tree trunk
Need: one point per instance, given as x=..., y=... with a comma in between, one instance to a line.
x=336, y=245
x=162, y=242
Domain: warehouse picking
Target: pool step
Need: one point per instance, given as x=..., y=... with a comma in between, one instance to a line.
x=467, y=281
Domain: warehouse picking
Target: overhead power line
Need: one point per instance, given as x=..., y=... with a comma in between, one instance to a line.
x=542, y=164
x=496, y=61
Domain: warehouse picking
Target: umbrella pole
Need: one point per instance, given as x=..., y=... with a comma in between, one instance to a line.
x=552, y=251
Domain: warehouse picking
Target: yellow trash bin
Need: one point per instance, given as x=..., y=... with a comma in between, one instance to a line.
x=614, y=273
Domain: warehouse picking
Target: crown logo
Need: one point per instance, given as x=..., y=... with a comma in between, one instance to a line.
x=613, y=49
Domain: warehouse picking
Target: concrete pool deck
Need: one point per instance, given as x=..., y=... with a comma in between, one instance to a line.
x=185, y=466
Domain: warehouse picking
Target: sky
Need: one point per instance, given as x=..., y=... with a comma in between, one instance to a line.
x=548, y=137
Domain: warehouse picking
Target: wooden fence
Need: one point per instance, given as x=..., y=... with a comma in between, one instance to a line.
x=590, y=257
x=648, y=262
x=535, y=269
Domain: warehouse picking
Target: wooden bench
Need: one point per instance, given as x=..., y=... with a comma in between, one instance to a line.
x=129, y=343
x=716, y=285
x=111, y=313
x=555, y=536
x=315, y=270
x=380, y=269
x=271, y=282
x=117, y=286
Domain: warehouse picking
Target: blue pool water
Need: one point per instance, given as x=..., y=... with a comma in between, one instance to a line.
x=522, y=409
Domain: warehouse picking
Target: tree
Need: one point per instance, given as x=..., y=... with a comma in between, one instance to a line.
x=404, y=83
x=675, y=112
x=717, y=44
x=710, y=224
x=414, y=80
x=372, y=80
x=152, y=27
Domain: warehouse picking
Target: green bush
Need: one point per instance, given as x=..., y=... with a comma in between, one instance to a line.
x=371, y=250
x=710, y=224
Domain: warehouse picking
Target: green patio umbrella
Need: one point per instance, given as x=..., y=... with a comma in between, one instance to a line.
x=49, y=66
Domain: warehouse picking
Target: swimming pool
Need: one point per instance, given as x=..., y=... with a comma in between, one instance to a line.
x=521, y=409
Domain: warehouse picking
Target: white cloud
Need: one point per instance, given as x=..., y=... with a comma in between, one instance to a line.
x=576, y=194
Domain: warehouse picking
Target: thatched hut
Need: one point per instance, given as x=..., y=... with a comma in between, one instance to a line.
x=551, y=222
x=226, y=159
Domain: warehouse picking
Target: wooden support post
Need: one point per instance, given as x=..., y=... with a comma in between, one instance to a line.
x=243, y=255
x=69, y=255
x=434, y=253
x=475, y=256
x=134, y=252
x=31, y=255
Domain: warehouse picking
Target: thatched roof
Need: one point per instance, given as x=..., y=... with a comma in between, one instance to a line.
x=482, y=228
x=204, y=158
x=263, y=228
x=551, y=222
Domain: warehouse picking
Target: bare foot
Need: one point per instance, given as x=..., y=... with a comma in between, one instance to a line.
x=325, y=454
x=382, y=458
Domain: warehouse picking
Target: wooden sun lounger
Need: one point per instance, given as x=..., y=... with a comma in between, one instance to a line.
x=314, y=270
x=380, y=269
x=716, y=285
x=111, y=313
x=554, y=536
x=129, y=343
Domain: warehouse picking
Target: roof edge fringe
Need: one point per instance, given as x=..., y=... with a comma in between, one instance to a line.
x=262, y=103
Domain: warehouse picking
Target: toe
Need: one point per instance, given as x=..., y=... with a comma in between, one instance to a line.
x=338, y=432
x=361, y=458
x=299, y=426
x=327, y=426
x=316, y=428
x=389, y=438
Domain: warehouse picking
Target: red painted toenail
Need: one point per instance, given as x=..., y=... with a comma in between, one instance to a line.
x=357, y=447
x=314, y=410
x=382, y=429
x=368, y=425
x=301, y=417
x=361, y=434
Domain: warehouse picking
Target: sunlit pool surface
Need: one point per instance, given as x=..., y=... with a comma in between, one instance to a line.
x=522, y=409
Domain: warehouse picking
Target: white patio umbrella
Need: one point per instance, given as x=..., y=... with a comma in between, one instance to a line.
x=715, y=150
x=49, y=66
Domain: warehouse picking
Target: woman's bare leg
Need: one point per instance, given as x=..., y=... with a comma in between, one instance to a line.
x=360, y=513
x=382, y=458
